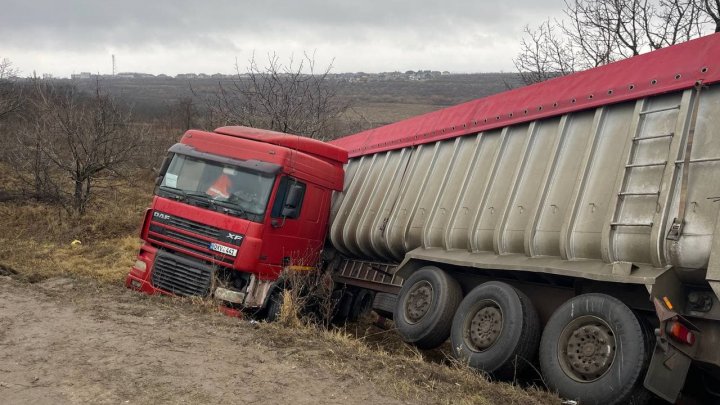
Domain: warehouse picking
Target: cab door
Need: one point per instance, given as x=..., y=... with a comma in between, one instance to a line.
x=298, y=219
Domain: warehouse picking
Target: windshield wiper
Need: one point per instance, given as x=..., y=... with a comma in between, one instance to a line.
x=230, y=208
x=179, y=193
x=185, y=194
x=205, y=200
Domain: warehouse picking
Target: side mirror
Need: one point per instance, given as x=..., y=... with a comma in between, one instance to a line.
x=292, y=201
x=163, y=168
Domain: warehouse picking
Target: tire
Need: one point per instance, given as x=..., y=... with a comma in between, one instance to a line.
x=361, y=305
x=343, y=300
x=425, y=307
x=274, y=306
x=611, y=351
x=496, y=329
x=384, y=304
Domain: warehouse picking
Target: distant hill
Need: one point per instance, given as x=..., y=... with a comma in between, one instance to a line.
x=376, y=99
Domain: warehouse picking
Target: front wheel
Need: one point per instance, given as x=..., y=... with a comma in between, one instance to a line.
x=274, y=306
x=425, y=307
x=594, y=349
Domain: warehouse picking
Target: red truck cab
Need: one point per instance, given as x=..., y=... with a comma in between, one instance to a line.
x=231, y=209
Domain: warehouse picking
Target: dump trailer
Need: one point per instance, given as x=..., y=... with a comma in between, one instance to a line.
x=573, y=223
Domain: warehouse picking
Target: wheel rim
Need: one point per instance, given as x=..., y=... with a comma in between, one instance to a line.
x=586, y=348
x=419, y=300
x=484, y=326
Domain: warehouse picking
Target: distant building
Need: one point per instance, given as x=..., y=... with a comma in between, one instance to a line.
x=186, y=76
x=81, y=76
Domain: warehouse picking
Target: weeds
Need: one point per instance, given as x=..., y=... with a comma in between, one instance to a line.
x=399, y=369
x=307, y=299
x=37, y=238
x=380, y=355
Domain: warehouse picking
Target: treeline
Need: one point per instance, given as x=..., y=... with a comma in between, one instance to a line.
x=63, y=143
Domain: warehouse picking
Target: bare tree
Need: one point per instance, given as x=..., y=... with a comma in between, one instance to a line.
x=293, y=98
x=712, y=8
x=10, y=94
x=184, y=113
x=545, y=54
x=597, y=32
x=78, y=139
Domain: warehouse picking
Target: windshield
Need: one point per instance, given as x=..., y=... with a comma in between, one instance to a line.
x=218, y=186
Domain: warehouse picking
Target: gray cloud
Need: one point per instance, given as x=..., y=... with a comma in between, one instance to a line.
x=399, y=31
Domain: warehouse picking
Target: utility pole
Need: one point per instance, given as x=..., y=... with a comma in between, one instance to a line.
x=113, y=65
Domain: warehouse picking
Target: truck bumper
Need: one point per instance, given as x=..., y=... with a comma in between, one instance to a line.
x=139, y=284
x=140, y=273
x=140, y=278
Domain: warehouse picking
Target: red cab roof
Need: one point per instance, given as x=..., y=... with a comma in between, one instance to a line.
x=669, y=69
x=321, y=150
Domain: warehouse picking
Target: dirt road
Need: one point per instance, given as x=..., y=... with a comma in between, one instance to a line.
x=65, y=341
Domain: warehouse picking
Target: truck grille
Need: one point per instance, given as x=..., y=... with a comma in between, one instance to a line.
x=192, y=226
x=169, y=238
x=181, y=276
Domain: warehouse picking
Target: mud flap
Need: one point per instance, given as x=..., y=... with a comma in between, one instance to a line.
x=667, y=371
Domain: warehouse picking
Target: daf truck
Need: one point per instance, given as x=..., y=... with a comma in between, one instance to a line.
x=571, y=224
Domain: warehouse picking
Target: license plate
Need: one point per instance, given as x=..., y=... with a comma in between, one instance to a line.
x=223, y=249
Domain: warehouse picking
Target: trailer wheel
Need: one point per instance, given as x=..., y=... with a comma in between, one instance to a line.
x=425, y=308
x=362, y=304
x=384, y=304
x=593, y=349
x=496, y=329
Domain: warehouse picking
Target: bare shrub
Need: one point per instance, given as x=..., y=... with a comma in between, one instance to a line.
x=307, y=298
x=11, y=97
x=72, y=141
x=293, y=97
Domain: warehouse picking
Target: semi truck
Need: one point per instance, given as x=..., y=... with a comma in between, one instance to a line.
x=232, y=209
x=570, y=224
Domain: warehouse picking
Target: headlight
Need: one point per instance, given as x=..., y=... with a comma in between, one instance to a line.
x=140, y=265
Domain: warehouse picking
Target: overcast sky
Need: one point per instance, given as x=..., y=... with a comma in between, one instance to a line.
x=180, y=36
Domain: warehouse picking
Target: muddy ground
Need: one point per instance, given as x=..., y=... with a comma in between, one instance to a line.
x=67, y=341
x=76, y=340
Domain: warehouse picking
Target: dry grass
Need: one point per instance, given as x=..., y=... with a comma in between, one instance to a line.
x=408, y=374
x=380, y=113
x=378, y=354
x=41, y=240
x=36, y=243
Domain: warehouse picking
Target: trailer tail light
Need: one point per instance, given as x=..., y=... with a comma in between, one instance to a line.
x=680, y=333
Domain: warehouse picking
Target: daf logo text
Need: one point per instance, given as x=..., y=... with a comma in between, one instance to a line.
x=161, y=215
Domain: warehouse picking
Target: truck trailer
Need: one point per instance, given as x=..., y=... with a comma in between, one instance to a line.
x=570, y=223
x=575, y=220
